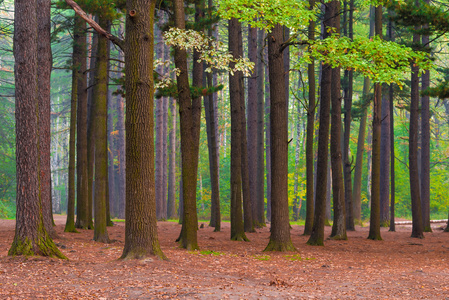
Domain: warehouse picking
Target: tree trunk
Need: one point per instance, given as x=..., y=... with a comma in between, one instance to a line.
x=317, y=235
x=374, y=232
x=251, y=216
x=171, y=191
x=261, y=215
x=425, y=146
x=235, y=93
x=347, y=133
x=310, y=153
x=159, y=122
x=385, y=162
x=141, y=238
x=259, y=202
x=101, y=144
x=357, y=190
x=81, y=134
x=338, y=191
x=280, y=239
x=110, y=147
x=417, y=224
x=190, y=113
x=31, y=237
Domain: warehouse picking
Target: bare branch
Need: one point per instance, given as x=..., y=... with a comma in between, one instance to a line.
x=80, y=12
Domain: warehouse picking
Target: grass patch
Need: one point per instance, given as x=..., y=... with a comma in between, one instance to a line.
x=207, y=252
x=262, y=257
x=297, y=257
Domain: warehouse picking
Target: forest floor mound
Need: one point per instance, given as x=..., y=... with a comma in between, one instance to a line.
x=399, y=267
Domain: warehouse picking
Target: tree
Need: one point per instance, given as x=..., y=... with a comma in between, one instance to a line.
x=280, y=239
x=31, y=237
x=317, y=235
x=235, y=93
x=141, y=225
x=374, y=232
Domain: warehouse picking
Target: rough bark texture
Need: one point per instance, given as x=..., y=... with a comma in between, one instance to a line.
x=45, y=60
x=374, y=233
x=317, y=235
x=100, y=94
x=385, y=162
x=250, y=216
x=425, y=147
x=310, y=153
x=81, y=128
x=31, y=237
x=338, y=191
x=158, y=173
x=190, y=113
x=260, y=185
x=347, y=133
x=261, y=209
x=141, y=239
x=280, y=239
x=235, y=93
x=417, y=220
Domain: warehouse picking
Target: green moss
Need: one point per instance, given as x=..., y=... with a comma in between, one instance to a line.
x=385, y=223
x=278, y=246
x=339, y=237
x=262, y=257
x=239, y=237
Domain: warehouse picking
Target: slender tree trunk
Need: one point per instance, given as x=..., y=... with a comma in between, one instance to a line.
x=159, y=123
x=252, y=132
x=385, y=162
x=164, y=158
x=392, y=225
x=81, y=134
x=141, y=239
x=280, y=239
x=235, y=93
x=417, y=219
x=261, y=208
x=338, y=191
x=190, y=113
x=317, y=235
x=110, y=147
x=31, y=237
x=101, y=144
x=171, y=191
x=76, y=66
x=347, y=134
x=258, y=204
x=425, y=146
x=310, y=153
x=374, y=233
x=357, y=190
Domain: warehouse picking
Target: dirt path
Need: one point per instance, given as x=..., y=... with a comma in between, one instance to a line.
x=398, y=267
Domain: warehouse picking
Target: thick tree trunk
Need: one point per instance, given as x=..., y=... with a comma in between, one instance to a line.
x=141, y=239
x=317, y=235
x=81, y=133
x=338, y=191
x=280, y=239
x=250, y=215
x=31, y=237
x=417, y=225
x=310, y=153
x=190, y=113
x=374, y=232
x=235, y=93
x=100, y=94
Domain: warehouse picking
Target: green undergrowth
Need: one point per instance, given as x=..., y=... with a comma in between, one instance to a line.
x=297, y=257
x=262, y=257
x=207, y=252
x=7, y=210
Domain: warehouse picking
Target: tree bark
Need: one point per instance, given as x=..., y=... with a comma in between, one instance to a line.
x=235, y=93
x=100, y=93
x=374, y=232
x=317, y=235
x=31, y=237
x=141, y=239
x=190, y=113
x=171, y=191
x=385, y=162
x=259, y=202
x=338, y=191
x=159, y=124
x=81, y=134
x=415, y=195
x=280, y=239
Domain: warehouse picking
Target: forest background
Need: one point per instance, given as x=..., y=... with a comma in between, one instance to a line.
x=166, y=123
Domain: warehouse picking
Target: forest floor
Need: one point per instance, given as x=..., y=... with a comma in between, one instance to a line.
x=399, y=267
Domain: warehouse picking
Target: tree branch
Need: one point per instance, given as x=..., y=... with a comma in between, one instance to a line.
x=80, y=12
